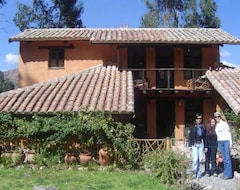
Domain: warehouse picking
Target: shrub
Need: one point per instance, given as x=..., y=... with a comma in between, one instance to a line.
x=50, y=135
x=167, y=166
x=234, y=122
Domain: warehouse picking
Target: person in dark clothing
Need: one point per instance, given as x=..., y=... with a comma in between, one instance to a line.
x=196, y=143
x=210, y=148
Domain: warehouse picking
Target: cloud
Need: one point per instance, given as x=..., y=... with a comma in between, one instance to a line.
x=230, y=64
x=225, y=53
x=11, y=58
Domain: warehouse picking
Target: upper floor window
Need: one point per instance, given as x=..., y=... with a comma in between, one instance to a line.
x=137, y=60
x=192, y=60
x=56, y=59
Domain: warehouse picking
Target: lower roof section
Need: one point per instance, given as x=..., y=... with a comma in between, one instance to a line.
x=227, y=83
x=102, y=88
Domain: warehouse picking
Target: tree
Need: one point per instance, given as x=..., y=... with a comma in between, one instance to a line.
x=181, y=13
x=208, y=17
x=191, y=15
x=5, y=84
x=61, y=14
x=166, y=13
x=2, y=2
x=68, y=18
x=205, y=18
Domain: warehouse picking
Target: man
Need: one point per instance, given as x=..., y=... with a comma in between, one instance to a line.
x=224, y=138
x=195, y=142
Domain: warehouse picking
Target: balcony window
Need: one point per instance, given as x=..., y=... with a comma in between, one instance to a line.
x=137, y=60
x=164, y=60
x=192, y=60
x=56, y=59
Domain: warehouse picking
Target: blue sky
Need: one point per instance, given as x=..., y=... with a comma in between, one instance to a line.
x=114, y=14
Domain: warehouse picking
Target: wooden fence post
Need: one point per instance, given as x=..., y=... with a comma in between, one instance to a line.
x=168, y=139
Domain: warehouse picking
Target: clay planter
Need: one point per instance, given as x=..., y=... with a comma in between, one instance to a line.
x=69, y=158
x=104, y=157
x=18, y=158
x=30, y=157
x=84, y=158
x=7, y=155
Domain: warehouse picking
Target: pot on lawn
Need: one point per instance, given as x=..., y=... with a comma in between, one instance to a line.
x=104, y=157
x=84, y=158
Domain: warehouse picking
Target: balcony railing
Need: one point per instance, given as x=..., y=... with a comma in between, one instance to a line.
x=170, y=79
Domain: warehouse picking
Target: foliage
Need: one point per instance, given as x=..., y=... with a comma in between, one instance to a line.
x=51, y=135
x=2, y=2
x=167, y=166
x=234, y=122
x=191, y=15
x=61, y=14
x=6, y=161
x=5, y=84
x=150, y=20
x=180, y=13
x=203, y=15
x=166, y=13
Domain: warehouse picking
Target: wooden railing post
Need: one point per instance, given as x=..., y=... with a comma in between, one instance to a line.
x=168, y=146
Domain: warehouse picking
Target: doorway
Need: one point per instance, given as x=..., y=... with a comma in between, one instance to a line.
x=192, y=106
x=165, y=118
x=137, y=60
x=164, y=60
x=140, y=118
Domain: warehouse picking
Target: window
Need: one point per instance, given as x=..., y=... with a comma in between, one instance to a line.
x=137, y=60
x=164, y=60
x=192, y=60
x=56, y=59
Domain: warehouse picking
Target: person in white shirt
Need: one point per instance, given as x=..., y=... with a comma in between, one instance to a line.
x=224, y=139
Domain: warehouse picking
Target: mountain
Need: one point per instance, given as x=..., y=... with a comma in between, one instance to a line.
x=12, y=75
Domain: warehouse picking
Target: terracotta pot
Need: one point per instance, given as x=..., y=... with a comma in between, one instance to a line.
x=104, y=157
x=7, y=155
x=30, y=157
x=84, y=158
x=18, y=157
x=69, y=158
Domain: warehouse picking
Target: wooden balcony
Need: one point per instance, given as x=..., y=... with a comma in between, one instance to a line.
x=170, y=79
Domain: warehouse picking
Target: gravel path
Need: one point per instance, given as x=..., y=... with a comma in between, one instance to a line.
x=216, y=183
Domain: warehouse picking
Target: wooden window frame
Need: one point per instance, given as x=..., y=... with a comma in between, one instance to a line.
x=59, y=50
x=58, y=56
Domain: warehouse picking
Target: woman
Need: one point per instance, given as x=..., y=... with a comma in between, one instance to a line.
x=210, y=148
x=224, y=138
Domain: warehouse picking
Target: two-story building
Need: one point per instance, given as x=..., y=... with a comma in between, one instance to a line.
x=153, y=77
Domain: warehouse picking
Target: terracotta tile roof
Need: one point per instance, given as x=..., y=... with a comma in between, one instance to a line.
x=131, y=35
x=227, y=82
x=99, y=88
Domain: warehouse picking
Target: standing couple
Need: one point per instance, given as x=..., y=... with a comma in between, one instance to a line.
x=208, y=139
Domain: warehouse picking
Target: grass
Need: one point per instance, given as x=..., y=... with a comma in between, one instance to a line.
x=27, y=179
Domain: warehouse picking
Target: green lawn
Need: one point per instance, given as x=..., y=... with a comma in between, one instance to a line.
x=26, y=179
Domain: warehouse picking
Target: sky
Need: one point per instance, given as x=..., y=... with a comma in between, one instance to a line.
x=115, y=14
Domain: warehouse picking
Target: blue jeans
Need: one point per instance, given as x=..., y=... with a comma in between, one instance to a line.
x=197, y=153
x=224, y=147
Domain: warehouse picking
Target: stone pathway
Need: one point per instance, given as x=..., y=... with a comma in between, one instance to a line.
x=216, y=183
